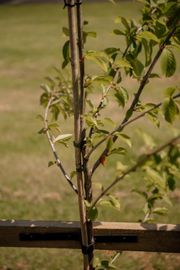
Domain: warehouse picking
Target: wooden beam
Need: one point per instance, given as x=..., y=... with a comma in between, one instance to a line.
x=108, y=235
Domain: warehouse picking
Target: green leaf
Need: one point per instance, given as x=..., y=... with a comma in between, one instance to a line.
x=170, y=91
x=160, y=29
x=65, y=31
x=118, y=151
x=153, y=116
x=73, y=173
x=155, y=178
x=63, y=137
x=138, y=67
x=111, y=51
x=46, y=88
x=93, y=213
x=147, y=36
x=126, y=139
x=148, y=52
x=114, y=202
x=102, y=79
x=120, y=167
x=85, y=22
x=100, y=58
x=118, y=32
x=125, y=22
x=66, y=53
x=160, y=211
x=42, y=131
x=106, y=265
x=121, y=96
x=88, y=34
x=168, y=63
x=51, y=163
x=90, y=121
x=54, y=126
x=109, y=144
x=121, y=63
x=170, y=110
x=105, y=202
x=171, y=183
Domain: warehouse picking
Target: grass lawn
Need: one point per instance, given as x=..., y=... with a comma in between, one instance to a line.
x=30, y=45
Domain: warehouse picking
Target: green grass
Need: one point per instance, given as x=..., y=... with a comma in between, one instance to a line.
x=31, y=41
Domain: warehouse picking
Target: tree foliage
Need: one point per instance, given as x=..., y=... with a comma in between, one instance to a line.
x=154, y=38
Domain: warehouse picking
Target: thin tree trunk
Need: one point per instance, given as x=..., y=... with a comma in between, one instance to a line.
x=77, y=130
x=87, y=176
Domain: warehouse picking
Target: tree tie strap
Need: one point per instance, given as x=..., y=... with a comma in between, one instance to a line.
x=77, y=144
x=87, y=249
x=78, y=3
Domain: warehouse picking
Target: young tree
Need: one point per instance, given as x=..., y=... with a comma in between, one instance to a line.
x=148, y=41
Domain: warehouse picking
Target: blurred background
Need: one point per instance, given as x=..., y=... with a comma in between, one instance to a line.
x=31, y=41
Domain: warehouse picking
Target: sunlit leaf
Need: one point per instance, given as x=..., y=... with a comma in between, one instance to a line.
x=168, y=63
x=120, y=167
x=170, y=109
x=160, y=211
x=170, y=91
x=121, y=63
x=148, y=36
x=63, y=137
x=114, y=202
x=118, y=151
x=121, y=96
x=99, y=58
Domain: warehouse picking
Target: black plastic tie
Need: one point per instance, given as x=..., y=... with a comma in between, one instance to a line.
x=87, y=249
x=80, y=169
x=70, y=5
x=78, y=3
x=77, y=145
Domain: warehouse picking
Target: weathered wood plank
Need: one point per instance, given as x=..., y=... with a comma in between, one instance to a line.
x=108, y=235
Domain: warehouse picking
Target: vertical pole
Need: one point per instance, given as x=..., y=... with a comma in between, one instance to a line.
x=87, y=175
x=77, y=129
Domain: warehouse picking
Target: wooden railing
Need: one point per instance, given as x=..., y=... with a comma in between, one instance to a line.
x=108, y=235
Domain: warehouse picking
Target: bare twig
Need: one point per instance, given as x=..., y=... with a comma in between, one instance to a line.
x=137, y=95
x=58, y=161
x=135, y=167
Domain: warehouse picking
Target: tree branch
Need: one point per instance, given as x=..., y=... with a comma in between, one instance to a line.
x=49, y=137
x=135, y=167
x=147, y=75
x=137, y=95
x=122, y=126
